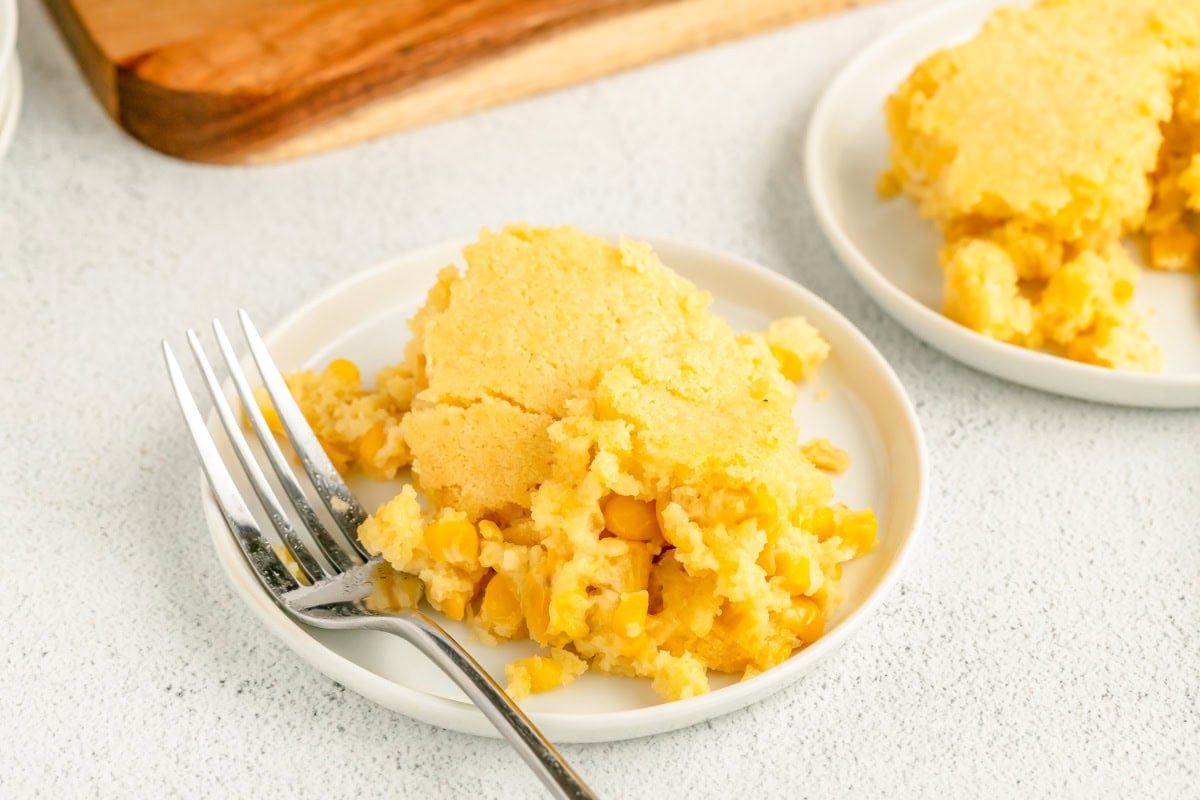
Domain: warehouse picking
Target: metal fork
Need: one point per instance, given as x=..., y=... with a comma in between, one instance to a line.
x=334, y=597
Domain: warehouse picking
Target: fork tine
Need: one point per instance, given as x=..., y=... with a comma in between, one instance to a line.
x=267, y=567
x=334, y=493
x=311, y=567
x=287, y=478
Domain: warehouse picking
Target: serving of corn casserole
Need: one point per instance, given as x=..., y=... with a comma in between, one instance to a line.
x=1038, y=147
x=599, y=464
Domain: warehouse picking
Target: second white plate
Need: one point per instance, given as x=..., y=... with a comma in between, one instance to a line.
x=855, y=400
x=892, y=252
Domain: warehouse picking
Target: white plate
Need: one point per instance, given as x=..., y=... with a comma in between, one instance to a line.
x=892, y=252
x=866, y=412
x=10, y=104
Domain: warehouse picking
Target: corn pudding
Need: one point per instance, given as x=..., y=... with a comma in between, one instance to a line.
x=1038, y=145
x=605, y=467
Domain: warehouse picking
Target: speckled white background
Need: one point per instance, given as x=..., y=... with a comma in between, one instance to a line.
x=1043, y=642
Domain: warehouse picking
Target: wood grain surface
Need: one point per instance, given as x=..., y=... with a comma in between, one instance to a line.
x=263, y=80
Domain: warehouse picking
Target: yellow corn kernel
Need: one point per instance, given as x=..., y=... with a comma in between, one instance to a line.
x=823, y=523
x=371, y=443
x=345, y=371
x=731, y=516
x=825, y=456
x=568, y=610
x=1174, y=249
x=888, y=185
x=1075, y=290
x=621, y=565
x=339, y=457
x=637, y=567
x=790, y=364
x=858, y=530
x=454, y=606
x=490, y=531
x=1122, y=292
x=764, y=504
x=422, y=377
x=544, y=674
x=535, y=606
x=553, y=561
x=522, y=532
x=804, y=620
x=272, y=419
x=630, y=617
x=800, y=575
x=630, y=518
x=263, y=401
x=500, y=610
x=453, y=541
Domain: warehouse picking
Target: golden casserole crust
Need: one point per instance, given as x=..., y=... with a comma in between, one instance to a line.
x=606, y=467
x=1040, y=143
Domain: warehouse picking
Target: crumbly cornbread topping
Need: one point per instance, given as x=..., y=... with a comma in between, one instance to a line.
x=607, y=468
x=1040, y=143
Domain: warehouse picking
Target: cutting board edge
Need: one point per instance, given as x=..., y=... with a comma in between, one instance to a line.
x=97, y=69
x=427, y=104
x=161, y=118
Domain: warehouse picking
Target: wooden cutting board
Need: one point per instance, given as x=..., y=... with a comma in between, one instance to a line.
x=263, y=80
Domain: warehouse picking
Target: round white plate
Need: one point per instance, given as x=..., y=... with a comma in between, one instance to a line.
x=10, y=104
x=855, y=400
x=892, y=252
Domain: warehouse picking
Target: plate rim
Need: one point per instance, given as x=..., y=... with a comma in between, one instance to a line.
x=1016, y=364
x=561, y=726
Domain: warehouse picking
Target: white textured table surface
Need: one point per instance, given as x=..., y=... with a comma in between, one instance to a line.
x=1044, y=641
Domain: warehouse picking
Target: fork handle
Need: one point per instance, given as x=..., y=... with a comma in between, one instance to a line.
x=449, y=656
